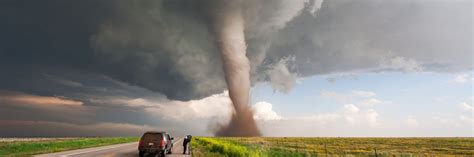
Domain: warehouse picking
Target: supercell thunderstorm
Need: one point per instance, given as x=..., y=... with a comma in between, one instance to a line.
x=191, y=49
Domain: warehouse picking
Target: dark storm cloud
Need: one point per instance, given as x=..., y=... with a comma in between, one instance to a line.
x=355, y=35
x=48, y=32
x=167, y=47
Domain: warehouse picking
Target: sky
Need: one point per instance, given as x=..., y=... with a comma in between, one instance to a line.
x=318, y=67
x=382, y=104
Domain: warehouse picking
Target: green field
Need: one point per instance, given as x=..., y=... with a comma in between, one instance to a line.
x=272, y=146
x=29, y=147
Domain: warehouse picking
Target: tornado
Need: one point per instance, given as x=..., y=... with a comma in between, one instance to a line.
x=229, y=28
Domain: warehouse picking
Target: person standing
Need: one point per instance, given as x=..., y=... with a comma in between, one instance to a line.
x=187, y=139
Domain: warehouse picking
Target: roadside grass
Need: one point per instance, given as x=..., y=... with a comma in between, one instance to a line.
x=273, y=146
x=219, y=147
x=26, y=148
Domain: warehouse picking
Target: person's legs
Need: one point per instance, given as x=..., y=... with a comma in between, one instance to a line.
x=185, y=147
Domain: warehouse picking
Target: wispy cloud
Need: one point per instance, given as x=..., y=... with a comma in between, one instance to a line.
x=346, y=97
x=460, y=79
x=467, y=119
x=349, y=114
x=370, y=102
x=411, y=121
x=466, y=107
x=358, y=97
x=358, y=93
x=28, y=99
x=65, y=82
x=401, y=64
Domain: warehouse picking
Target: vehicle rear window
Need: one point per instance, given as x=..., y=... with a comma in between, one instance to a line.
x=152, y=137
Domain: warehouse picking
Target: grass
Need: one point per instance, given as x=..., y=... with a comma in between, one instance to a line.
x=272, y=146
x=26, y=148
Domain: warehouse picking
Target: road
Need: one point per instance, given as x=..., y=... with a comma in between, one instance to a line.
x=119, y=150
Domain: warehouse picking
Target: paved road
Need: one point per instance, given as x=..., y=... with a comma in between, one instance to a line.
x=119, y=150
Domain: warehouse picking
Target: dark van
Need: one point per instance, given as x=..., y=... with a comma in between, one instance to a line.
x=156, y=143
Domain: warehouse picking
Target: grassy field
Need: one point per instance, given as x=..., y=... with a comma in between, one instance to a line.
x=270, y=146
x=26, y=147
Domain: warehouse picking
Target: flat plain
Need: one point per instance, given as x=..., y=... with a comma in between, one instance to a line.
x=321, y=146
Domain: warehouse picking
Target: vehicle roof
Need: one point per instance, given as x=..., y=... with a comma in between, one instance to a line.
x=155, y=132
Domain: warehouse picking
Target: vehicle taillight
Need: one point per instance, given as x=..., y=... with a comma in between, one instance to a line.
x=162, y=143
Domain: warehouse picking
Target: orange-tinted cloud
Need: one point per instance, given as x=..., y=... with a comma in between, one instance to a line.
x=27, y=99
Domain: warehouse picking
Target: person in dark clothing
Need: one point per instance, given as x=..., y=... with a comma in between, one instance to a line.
x=187, y=139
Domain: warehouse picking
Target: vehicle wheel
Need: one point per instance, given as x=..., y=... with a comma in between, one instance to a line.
x=163, y=154
x=141, y=154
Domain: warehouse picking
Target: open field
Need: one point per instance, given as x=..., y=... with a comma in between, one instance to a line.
x=272, y=146
x=29, y=146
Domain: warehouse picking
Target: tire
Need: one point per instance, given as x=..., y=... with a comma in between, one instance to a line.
x=141, y=154
x=163, y=154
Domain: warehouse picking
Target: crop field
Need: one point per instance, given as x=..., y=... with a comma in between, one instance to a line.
x=273, y=146
x=30, y=146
